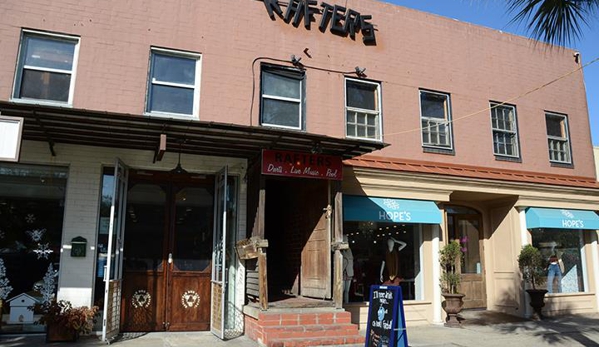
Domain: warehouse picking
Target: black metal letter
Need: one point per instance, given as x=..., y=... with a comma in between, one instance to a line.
x=352, y=21
x=338, y=15
x=309, y=11
x=272, y=5
x=367, y=29
x=327, y=11
x=294, y=9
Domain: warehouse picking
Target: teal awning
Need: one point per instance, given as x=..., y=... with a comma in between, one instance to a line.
x=555, y=218
x=371, y=209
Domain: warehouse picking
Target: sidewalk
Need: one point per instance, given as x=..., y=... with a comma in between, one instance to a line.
x=492, y=329
x=479, y=329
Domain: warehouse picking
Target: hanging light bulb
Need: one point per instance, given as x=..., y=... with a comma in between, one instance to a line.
x=179, y=170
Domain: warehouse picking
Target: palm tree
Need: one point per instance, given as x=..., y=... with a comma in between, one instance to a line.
x=554, y=21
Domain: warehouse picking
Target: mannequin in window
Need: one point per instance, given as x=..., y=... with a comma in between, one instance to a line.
x=392, y=261
x=555, y=270
x=348, y=270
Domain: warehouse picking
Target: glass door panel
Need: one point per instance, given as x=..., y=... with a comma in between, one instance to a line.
x=188, y=293
x=143, y=287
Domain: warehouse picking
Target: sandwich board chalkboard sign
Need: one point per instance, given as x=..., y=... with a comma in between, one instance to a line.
x=386, y=325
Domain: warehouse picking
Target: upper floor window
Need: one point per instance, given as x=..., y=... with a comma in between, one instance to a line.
x=435, y=114
x=46, y=67
x=174, y=83
x=505, y=130
x=363, y=109
x=282, y=97
x=558, y=138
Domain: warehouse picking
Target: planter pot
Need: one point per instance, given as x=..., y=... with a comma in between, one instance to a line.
x=537, y=301
x=59, y=333
x=452, y=305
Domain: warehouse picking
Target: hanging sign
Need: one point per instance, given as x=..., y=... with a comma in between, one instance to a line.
x=341, y=20
x=386, y=324
x=11, y=129
x=306, y=165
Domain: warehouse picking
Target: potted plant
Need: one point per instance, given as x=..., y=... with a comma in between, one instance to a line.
x=65, y=322
x=531, y=264
x=450, y=259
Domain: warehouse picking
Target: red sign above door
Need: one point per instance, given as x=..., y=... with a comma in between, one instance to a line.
x=306, y=165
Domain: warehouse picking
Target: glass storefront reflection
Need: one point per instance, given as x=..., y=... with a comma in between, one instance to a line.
x=31, y=219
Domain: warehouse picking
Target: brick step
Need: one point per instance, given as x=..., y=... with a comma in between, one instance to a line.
x=309, y=331
x=303, y=318
x=355, y=340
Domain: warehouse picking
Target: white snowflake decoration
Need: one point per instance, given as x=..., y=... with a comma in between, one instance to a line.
x=47, y=289
x=391, y=203
x=30, y=218
x=36, y=234
x=5, y=289
x=43, y=251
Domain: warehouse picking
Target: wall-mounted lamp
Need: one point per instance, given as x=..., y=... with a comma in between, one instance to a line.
x=360, y=71
x=295, y=60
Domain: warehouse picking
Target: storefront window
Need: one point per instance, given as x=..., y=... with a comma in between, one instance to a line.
x=564, y=255
x=370, y=243
x=31, y=218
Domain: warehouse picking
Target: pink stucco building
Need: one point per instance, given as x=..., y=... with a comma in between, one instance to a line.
x=223, y=160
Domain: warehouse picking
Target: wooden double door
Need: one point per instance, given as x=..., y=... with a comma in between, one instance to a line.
x=167, y=252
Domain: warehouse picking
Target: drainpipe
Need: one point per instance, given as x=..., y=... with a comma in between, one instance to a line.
x=595, y=256
x=437, y=314
x=523, y=242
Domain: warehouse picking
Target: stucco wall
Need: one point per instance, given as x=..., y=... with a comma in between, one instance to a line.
x=413, y=50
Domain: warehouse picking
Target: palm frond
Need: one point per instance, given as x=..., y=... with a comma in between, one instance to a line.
x=554, y=21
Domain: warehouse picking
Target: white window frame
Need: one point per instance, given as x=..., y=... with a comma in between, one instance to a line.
x=377, y=113
x=553, y=140
x=496, y=107
x=299, y=100
x=448, y=122
x=195, y=87
x=21, y=67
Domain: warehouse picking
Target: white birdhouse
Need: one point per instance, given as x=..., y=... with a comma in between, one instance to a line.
x=19, y=309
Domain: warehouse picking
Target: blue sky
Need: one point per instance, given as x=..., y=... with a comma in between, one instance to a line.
x=493, y=14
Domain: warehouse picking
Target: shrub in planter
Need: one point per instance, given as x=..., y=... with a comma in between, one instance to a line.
x=450, y=259
x=532, y=267
x=65, y=322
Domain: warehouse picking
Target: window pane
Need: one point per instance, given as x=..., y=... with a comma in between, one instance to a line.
x=433, y=105
x=554, y=126
x=371, y=132
x=171, y=99
x=45, y=85
x=32, y=205
x=565, y=276
x=371, y=120
x=284, y=113
x=144, y=221
x=361, y=95
x=369, y=248
x=277, y=85
x=174, y=69
x=49, y=53
x=351, y=130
